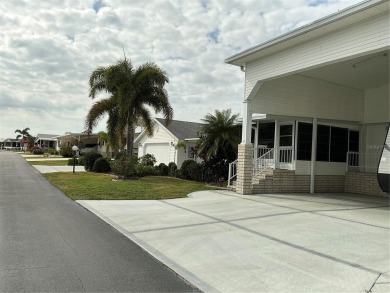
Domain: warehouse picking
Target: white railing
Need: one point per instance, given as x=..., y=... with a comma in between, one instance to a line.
x=264, y=162
x=362, y=162
x=232, y=171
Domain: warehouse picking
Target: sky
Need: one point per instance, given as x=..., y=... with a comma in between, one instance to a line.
x=48, y=49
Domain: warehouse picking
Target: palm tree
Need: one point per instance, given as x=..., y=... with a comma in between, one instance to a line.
x=104, y=137
x=220, y=137
x=22, y=133
x=131, y=91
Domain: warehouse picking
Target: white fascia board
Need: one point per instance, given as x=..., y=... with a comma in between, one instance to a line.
x=192, y=139
x=143, y=133
x=235, y=59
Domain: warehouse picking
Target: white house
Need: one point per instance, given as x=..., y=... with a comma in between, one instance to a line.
x=89, y=141
x=316, y=105
x=163, y=143
x=11, y=144
x=46, y=140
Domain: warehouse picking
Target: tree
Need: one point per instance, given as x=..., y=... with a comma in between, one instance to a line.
x=220, y=137
x=104, y=137
x=23, y=133
x=131, y=91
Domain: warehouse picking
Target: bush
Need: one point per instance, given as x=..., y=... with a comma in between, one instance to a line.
x=120, y=155
x=191, y=170
x=101, y=165
x=81, y=160
x=172, y=167
x=70, y=162
x=34, y=148
x=143, y=170
x=66, y=152
x=38, y=152
x=148, y=160
x=163, y=169
x=89, y=160
x=124, y=167
x=52, y=151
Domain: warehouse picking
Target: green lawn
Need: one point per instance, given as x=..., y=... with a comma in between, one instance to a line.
x=49, y=163
x=84, y=186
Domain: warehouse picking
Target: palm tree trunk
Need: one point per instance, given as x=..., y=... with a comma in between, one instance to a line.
x=130, y=139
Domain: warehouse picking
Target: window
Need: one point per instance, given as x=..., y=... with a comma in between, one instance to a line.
x=191, y=152
x=338, y=144
x=266, y=134
x=353, y=141
x=286, y=135
x=305, y=133
x=323, y=138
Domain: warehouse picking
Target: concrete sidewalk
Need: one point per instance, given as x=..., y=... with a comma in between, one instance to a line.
x=52, y=169
x=221, y=241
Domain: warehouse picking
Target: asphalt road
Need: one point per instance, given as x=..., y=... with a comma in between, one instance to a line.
x=49, y=243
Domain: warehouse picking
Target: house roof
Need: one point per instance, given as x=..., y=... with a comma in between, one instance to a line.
x=46, y=136
x=12, y=140
x=340, y=19
x=182, y=129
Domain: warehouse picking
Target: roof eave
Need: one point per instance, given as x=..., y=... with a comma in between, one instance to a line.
x=237, y=59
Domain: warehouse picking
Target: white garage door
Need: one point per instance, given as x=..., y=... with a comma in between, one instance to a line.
x=159, y=150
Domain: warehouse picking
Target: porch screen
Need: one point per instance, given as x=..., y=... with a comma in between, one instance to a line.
x=305, y=133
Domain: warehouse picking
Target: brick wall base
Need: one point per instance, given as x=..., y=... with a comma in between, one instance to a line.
x=244, y=169
x=363, y=183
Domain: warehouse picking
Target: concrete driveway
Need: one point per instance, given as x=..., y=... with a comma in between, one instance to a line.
x=221, y=241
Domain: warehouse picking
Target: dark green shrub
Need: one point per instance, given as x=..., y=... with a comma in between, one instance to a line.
x=191, y=170
x=81, y=160
x=124, y=167
x=66, y=152
x=148, y=160
x=52, y=151
x=172, y=167
x=163, y=169
x=89, y=160
x=70, y=162
x=101, y=165
x=120, y=155
x=143, y=170
x=38, y=152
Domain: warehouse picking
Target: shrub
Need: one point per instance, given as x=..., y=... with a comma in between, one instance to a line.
x=148, y=160
x=81, y=160
x=124, y=168
x=66, y=152
x=143, y=170
x=163, y=169
x=52, y=151
x=101, y=165
x=191, y=170
x=120, y=155
x=38, y=152
x=172, y=167
x=89, y=160
x=34, y=148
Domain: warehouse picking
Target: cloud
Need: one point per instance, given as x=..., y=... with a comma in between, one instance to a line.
x=49, y=49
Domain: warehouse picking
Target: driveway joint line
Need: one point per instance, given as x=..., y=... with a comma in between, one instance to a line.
x=318, y=212
x=299, y=247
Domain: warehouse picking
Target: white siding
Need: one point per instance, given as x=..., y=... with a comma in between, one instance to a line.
x=160, y=136
x=355, y=40
x=377, y=105
x=308, y=97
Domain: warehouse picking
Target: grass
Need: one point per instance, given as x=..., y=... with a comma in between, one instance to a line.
x=87, y=186
x=49, y=163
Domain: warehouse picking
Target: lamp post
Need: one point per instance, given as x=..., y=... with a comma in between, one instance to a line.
x=74, y=149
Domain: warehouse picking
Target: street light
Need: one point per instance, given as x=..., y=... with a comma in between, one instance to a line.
x=74, y=149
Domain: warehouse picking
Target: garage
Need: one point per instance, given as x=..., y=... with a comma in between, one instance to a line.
x=159, y=150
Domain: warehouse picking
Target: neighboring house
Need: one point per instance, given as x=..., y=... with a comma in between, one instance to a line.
x=46, y=141
x=163, y=143
x=88, y=142
x=102, y=147
x=316, y=105
x=11, y=144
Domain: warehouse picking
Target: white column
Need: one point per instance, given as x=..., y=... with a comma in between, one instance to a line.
x=246, y=124
x=276, y=144
x=313, y=155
